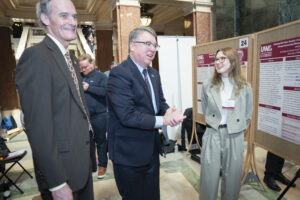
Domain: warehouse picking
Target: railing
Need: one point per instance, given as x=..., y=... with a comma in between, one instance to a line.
x=33, y=35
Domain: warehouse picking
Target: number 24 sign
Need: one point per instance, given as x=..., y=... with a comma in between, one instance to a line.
x=243, y=42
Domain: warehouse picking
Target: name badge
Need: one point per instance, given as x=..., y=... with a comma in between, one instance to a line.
x=228, y=104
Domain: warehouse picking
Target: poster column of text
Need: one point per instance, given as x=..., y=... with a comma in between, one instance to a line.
x=205, y=69
x=279, y=89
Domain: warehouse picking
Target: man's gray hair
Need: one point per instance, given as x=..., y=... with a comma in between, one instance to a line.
x=42, y=7
x=134, y=34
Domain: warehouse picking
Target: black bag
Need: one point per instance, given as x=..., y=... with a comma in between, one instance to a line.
x=187, y=127
x=3, y=148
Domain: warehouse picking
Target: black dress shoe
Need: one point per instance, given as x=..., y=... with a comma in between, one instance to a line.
x=270, y=182
x=280, y=177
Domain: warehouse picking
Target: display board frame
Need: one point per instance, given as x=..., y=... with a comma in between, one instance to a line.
x=241, y=42
x=279, y=146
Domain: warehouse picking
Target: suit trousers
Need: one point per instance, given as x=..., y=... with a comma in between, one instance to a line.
x=274, y=165
x=99, y=125
x=138, y=183
x=221, y=151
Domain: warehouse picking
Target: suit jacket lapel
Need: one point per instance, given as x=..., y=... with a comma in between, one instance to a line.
x=234, y=88
x=233, y=97
x=154, y=85
x=217, y=97
x=140, y=79
x=61, y=62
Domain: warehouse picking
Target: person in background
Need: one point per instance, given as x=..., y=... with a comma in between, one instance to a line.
x=90, y=40
x=227, y=106
x=94, y=86
x=273, y=173
x=55, y=114
x=136, y=109
x=113, y=64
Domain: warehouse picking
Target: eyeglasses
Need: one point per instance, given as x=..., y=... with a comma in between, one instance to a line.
x=221, y=59
x=149, y=44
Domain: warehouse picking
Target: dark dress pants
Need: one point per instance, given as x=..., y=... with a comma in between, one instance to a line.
x=138, y=183
x=99, y=125
x=274, y=165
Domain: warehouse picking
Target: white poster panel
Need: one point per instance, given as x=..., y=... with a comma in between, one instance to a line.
x=186, y=71
x=175, y=68
x=279, y=89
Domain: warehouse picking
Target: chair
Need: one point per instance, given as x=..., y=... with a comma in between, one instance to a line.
x=14, y=158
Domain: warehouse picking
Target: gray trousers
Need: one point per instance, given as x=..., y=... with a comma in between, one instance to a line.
x=221, y=151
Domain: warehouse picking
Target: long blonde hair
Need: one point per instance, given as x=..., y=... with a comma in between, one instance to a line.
x=234, y=70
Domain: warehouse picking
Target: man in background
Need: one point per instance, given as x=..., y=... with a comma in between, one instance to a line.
x=113, y=64
x=55, y=113
x=273, y=173
x=137, y=108
x=94, y=86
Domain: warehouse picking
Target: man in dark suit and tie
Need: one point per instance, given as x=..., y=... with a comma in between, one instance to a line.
x=55, y=113
x=137, y=108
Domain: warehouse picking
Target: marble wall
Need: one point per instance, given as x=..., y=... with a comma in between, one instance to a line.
x=255, y=15
x=289, y=10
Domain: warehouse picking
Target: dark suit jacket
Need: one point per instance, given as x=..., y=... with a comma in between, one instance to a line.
x=131, y=134
x=56, y=125
x=95, y=95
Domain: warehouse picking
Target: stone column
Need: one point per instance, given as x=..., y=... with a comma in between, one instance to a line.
x=104, y=53
x=8, y=94
x=126, y=17
x=197, y=20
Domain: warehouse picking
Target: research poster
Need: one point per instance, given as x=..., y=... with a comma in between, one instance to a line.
x=205, y=70
x=279, y=89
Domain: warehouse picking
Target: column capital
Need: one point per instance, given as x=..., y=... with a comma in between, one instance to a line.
x=132, y=3
x=198, y=6
x=5, y=21
x=104, y=25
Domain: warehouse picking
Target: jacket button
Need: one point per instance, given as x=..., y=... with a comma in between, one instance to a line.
x=213, y=115
x=237, y=120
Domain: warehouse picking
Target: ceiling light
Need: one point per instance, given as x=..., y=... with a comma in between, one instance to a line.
x=146, y=17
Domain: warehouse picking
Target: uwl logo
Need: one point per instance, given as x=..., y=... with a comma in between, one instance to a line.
x=265, y=48
x=200, y=57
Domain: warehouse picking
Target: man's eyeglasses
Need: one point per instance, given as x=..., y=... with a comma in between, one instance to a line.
x=221, y=59
x=149, y=44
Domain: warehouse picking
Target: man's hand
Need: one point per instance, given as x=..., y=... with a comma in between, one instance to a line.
x=85, y=86
x=65, y=193
x=173, y=117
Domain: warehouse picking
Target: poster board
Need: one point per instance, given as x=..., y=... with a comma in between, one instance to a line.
x=203, y=66
x=277, y=95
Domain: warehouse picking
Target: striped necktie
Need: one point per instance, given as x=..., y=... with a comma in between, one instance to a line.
x=147, y=82
x=75, y=80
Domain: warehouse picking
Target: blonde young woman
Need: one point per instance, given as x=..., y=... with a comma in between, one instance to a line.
x=227, y=106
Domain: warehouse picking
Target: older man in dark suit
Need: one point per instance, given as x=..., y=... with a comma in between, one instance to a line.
x=55, y=114
x=137, y=108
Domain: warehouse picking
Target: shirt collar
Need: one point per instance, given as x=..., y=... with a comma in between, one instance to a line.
x=60, y=46
x=140, y=68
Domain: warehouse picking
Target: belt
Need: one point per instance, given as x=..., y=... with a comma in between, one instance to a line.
x=220, y=126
